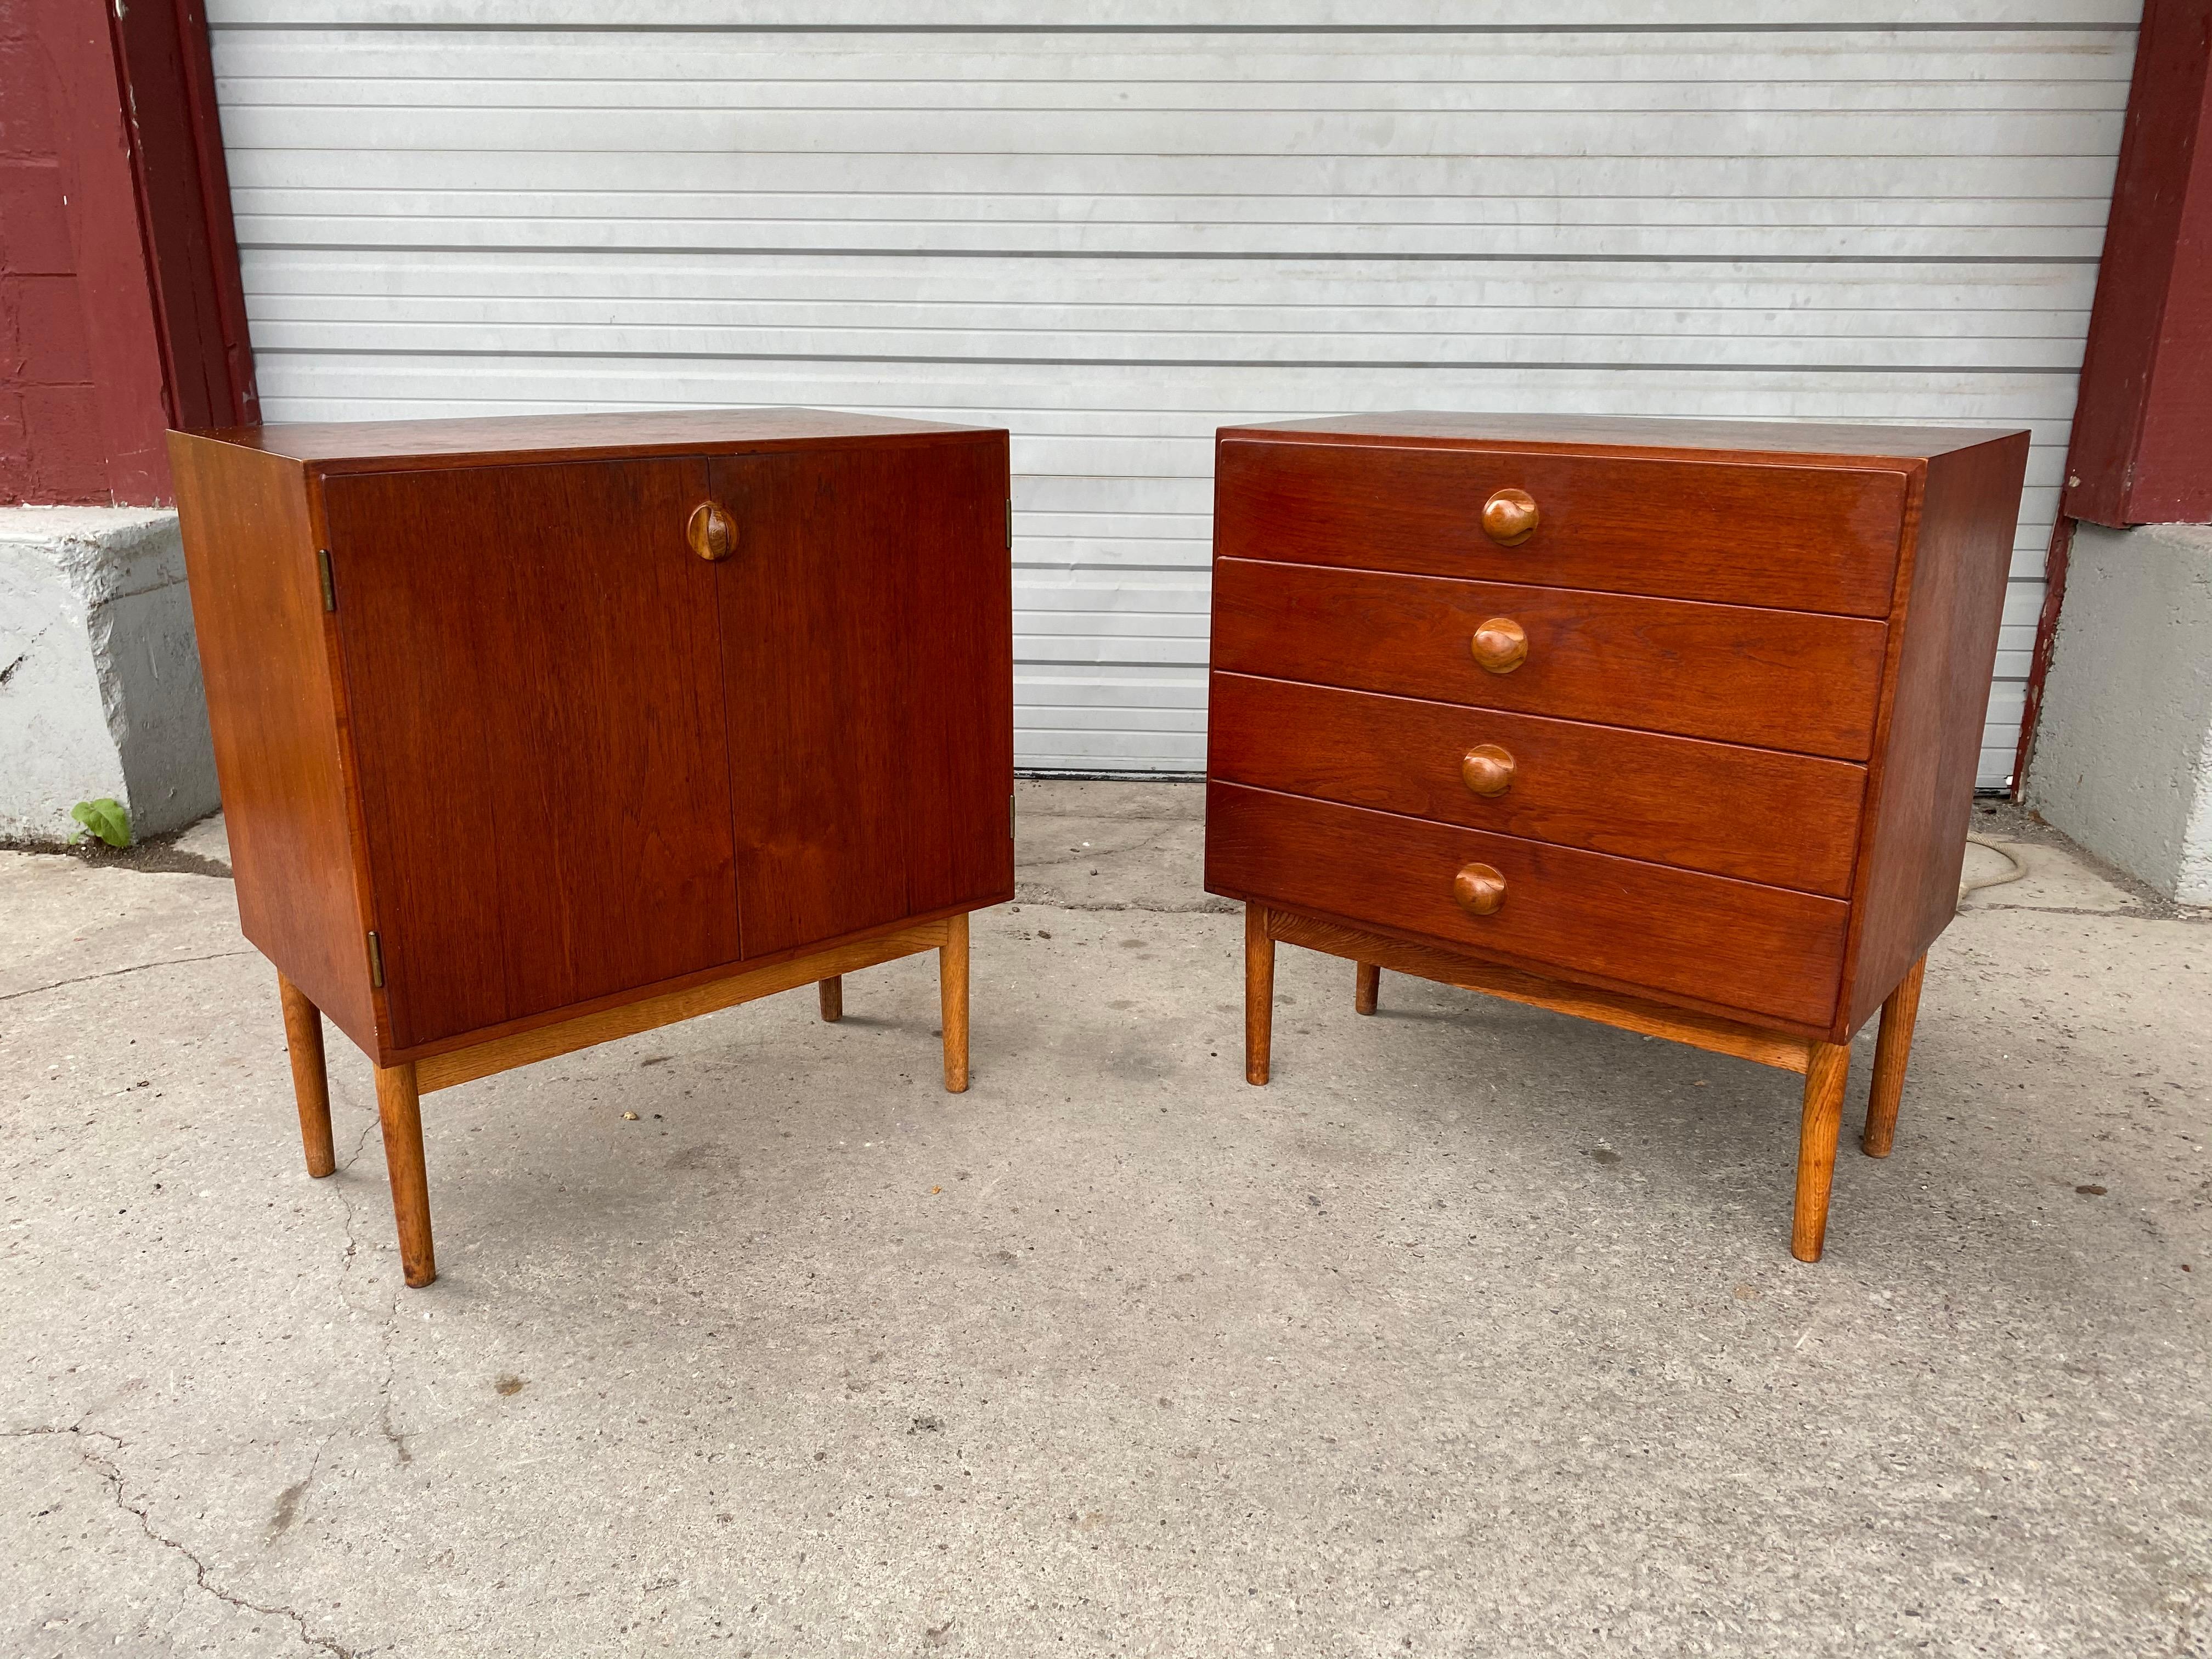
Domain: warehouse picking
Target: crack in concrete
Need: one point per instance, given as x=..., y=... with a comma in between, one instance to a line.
x=24, y=656
x=292, y=1505
x=113, y=972
x=393, y=1436
x=1094, y=855
x=112, y=1478
x=389, y=1318
x=1208, y=906
x=2135, y=913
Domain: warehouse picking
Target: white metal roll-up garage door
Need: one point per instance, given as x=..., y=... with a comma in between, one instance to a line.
x=1115, y=232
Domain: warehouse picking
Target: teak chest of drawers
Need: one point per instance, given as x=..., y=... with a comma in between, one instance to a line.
x=1671, y=725
x=537, y=732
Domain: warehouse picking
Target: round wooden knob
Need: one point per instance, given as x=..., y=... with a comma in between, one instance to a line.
x=1486, y=769
x=710, y=533
x=1510, y=517
x=1478, y=890
x=1500, y=645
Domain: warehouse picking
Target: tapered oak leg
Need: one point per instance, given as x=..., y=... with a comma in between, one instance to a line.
x=1259, y=993
x=1892, y=1051
x=952, y=995
x=311, y=1083
x=1371, y=986
x=1816, y=1147
x=833, y=998
x=401, y=1109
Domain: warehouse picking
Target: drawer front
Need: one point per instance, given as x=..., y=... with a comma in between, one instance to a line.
x=1786, y=820
x=1763, y=951
x=1793, y=537
x=1777, y=679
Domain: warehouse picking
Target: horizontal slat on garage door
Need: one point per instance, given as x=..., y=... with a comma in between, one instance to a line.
x=1117, y=230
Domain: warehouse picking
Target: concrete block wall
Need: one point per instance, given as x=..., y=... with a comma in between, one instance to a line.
x=100, y=673
x=2124, y=751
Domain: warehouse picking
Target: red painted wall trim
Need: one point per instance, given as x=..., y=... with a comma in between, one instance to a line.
x=131, y=154
x=2140, y=451
x=2142, y=447
x=123, y=432
x=184, y=207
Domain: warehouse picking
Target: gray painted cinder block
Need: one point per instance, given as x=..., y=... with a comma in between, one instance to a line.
x=2124, y=751
x=100, y=674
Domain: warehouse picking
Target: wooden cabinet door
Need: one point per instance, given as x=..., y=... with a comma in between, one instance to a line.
x=867, y=648
x=533, y=685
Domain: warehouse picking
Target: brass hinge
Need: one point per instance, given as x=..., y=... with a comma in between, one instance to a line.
x=1010, y=818
x=375, y=960
x=322, y=569
x=1010, y=524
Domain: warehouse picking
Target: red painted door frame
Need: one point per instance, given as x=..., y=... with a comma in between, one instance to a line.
x=184, y=208
x=151, y=285
x=2141, y=451
x=2141, y=448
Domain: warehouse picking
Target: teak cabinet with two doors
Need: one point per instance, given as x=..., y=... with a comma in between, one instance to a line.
x=535, y=733
x=1668, y=724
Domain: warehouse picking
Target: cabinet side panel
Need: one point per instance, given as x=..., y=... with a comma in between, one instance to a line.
x=257, y=607
x=1923, y=791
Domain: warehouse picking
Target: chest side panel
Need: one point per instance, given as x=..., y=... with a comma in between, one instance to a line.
x=266, y=661
x=1921, y=792
x=538, y=716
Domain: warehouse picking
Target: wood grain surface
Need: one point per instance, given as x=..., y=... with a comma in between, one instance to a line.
x=1761, y=950
x=1818, y=1129
x=1374, y=953
x=269, y=667
x=311, y=1081
x=1795, y=536
x=1786, y=820
x=399, y=1110
x=1259, y=992
x=443, y=1071
x=533, y=663
x=1892, y=1054
x=952, y=1002
x=867, y=650
x=338, y=446
x=1920, y=789
x=1661, y=436
x=1779, y=679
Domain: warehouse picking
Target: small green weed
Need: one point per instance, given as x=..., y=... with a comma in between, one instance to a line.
x=104, y=817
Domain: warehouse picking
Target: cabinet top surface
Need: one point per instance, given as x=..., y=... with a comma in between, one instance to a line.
x=1656, y=433
x=696, y=431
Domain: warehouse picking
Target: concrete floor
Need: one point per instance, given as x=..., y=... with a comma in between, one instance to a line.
x=1474, y=1333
